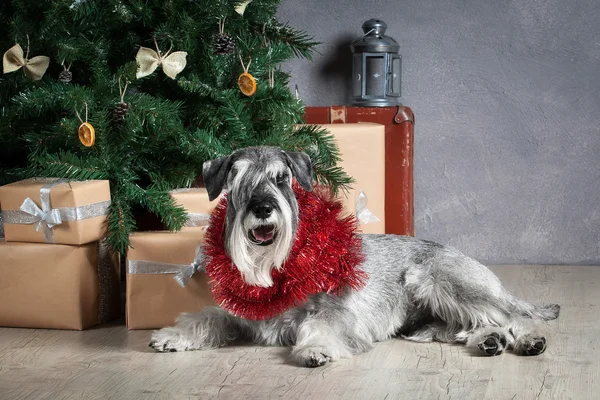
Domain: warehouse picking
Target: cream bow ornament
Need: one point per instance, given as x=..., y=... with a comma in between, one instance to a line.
x=34, y=68
x=241, y=7
x=148, y=60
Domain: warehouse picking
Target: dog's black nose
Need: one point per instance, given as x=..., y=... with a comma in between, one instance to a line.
x=262, y=210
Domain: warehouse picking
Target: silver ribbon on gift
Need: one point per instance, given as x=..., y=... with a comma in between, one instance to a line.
x=197, y=219
x=183, y=272
x=363, y=214
x=47, y=217
x=194, y=220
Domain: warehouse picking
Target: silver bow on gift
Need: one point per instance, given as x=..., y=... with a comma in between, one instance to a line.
x=49, y=217
x=363, y=214
x=183, y=272
x=186, y=273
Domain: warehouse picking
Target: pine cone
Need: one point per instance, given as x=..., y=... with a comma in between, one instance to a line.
x=223, y=44
x=120, y=112
x=65, y=76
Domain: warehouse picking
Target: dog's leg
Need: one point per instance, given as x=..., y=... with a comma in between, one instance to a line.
x=436, y=331
x=318, y=342
x=209, y=328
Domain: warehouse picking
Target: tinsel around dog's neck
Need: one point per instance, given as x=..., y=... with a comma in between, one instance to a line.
x=325, y=257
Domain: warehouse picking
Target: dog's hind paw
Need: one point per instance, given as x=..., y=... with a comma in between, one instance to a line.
x=530, y=345
x=492, y=344
x=168, y=340
x=311, y=357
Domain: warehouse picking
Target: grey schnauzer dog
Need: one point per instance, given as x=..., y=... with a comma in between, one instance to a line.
x=417, y=290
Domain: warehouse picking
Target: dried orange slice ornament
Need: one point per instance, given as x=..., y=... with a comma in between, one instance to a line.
x=87, y=134
x=246, y=81
x=247, y=84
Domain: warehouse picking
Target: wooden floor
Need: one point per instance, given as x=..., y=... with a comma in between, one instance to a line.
x=111, y=363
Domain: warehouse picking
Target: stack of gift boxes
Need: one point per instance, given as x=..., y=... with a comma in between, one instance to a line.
x=67, y=284
x=55, y=269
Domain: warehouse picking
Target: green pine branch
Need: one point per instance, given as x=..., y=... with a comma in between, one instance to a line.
x=120, y=222
x=299, y=42
x=169, y=127
x=68, y=166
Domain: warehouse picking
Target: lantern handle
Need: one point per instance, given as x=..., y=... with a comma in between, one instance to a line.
x=356, y=40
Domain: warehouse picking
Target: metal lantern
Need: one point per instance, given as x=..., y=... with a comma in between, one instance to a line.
x=376, y=67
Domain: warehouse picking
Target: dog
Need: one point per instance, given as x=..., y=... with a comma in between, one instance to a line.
x=416, y=289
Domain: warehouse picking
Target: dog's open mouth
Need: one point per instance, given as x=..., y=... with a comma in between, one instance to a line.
x=263, y=235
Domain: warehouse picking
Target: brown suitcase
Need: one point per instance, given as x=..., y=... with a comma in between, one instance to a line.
x=399, y=152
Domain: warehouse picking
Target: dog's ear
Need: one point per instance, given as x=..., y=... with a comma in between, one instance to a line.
x=214, y=173
x=301, y=167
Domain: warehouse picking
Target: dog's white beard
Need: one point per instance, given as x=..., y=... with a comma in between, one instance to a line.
x=255, y=262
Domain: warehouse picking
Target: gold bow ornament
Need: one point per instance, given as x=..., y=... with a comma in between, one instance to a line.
x=34, y=68
x=148, y=60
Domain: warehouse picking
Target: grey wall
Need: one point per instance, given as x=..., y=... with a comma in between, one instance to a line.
x=507, y=102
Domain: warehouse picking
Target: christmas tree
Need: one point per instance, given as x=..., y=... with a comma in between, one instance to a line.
x=142, y=92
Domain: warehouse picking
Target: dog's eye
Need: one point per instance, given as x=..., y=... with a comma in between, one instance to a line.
x=281, y=179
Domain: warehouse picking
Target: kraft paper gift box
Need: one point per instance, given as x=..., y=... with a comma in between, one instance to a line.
x=198, y=207
x=58, y=286
x=362, y=149
x=154, y=298
x=55, y=211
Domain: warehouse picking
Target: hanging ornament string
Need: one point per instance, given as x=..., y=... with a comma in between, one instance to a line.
x=86, y=132
x=222, y=25
x=122, y=91
x=171, y=63
x=122, y=108
x=65, y=75
x=223, y=43
x=266, y=43
x=271, y=77
x=34, y=68
x=246, y=81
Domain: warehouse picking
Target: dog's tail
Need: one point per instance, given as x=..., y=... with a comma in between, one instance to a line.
x=545, y=313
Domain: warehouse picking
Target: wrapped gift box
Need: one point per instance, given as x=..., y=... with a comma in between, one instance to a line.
x=196, y=203
x=154, y=298
x=57, y=286
x=55, y=211
x=362, y=149
x=399, y=123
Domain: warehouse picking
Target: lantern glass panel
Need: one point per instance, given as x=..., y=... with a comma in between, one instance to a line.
x=357, y=75
x=375, y=75
x=396, y=71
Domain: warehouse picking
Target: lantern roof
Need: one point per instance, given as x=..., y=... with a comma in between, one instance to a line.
x=374, y=39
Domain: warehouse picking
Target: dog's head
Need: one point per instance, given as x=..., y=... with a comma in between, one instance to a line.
x=262, y=211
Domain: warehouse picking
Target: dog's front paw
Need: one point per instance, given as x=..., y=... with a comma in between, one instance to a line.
x=492, y=344
x=311, y=357
x=168, y=340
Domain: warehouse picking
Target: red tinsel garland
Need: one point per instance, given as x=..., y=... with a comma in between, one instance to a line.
x=324, y=258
